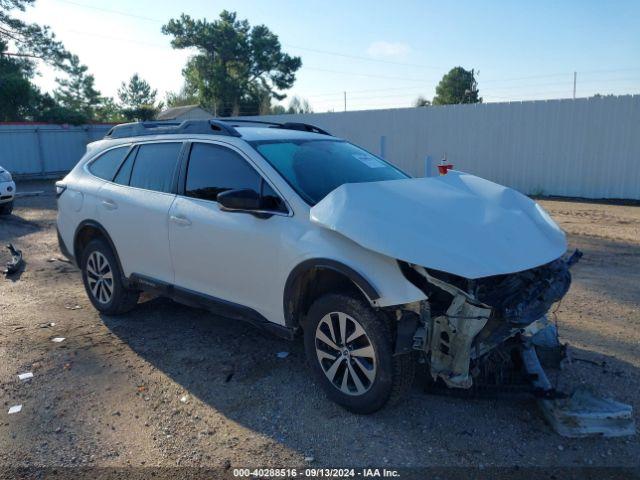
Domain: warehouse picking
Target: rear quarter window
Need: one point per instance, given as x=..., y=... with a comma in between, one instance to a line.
x=106, y=165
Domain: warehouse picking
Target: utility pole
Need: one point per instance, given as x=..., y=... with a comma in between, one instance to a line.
x=345, y=101
x=575, y=74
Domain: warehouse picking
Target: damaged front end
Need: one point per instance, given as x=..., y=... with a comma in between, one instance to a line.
x=464, y=320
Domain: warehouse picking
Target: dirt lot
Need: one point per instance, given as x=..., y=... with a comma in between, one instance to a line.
x=167, y=385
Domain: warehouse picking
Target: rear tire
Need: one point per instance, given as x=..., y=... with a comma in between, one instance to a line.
x=6, y=208
x=349, y=347
x=103, y=280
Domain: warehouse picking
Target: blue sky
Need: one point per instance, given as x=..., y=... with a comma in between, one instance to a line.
x=383, y=54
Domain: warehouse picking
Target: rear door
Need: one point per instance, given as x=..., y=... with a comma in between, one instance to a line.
x=134, y=209
x=232, y=256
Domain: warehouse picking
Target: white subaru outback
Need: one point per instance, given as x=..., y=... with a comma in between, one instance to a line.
x=296, y=231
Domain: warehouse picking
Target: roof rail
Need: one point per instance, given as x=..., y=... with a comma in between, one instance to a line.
x=216, y=127
x=246, y=120
x=138, y=129
x=304, y=127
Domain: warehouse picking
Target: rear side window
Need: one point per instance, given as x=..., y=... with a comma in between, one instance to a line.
x=105, y=165
x=154, y=166
x=124, y=174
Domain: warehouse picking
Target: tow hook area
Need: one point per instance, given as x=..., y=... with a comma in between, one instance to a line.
x=449, y=337
x=465, y=346
x=451, y=341
x=584, y=413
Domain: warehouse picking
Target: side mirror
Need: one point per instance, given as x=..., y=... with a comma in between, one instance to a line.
x=243, y=199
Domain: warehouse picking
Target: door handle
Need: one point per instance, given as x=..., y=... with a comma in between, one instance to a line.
x=180, y=220
x=109, y=204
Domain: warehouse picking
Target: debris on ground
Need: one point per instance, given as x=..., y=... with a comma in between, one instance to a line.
x=16, y=262
x=47, y=325
x=184, y=398
x=58, y=339
x=282, y=354
x=73, y=307
x=25, y=376
x=15, y=409
x=584, y=413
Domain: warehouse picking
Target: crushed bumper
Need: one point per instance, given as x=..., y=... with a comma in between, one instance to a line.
x=494, y=331
x=464, y=320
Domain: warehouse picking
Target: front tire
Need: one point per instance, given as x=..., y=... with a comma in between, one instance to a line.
x=6, y=208
x=103, y=280
x=349, y=347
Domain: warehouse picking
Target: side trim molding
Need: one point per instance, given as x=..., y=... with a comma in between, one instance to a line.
x=212, y=304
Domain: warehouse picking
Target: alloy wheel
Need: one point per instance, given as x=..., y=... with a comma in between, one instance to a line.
x=345, y=353
x=100, y=277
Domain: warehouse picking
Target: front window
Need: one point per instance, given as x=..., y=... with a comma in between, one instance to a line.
x=214, y=169
x=314, y=168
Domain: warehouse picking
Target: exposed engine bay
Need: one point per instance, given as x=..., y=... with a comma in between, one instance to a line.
x=464, y=320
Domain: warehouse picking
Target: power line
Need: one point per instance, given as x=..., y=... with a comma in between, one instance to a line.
x=296, y=47
x=343, y=55
x=109, y=10
x=117, y=39
x=357, y=57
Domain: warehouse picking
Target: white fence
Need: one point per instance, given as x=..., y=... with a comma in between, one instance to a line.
x=42, y=150
x=580, y=148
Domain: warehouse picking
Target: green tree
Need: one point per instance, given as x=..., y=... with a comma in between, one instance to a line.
x=17, y=93
x=277, y=110
x=20, y=44
x=238, y=68
x=110, y=112
x=421, y=102
x=29, y=40
x=182, y=98
x=298, y=105
x=77, y=92
x=457, y=86
x=137, y=99
x=47, y=109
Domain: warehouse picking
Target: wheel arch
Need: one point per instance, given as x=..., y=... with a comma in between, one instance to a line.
x=87, y=231
x=300, y=290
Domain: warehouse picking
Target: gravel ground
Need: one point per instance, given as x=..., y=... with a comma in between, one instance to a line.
x=168, y=385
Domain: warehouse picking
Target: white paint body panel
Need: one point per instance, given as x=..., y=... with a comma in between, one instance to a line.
x=228, y=255
x=137, y=221
x=457, y=223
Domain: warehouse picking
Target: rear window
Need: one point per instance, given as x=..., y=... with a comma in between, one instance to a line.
x=155, y=166
x=105, y=165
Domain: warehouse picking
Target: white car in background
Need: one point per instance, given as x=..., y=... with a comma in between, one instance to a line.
x=7, y=192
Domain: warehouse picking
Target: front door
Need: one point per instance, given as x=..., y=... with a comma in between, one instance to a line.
x=231, y=256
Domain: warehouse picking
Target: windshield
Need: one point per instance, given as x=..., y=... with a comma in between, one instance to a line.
x=314, y=168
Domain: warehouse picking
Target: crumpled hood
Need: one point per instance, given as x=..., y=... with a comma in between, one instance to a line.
x=457, y=223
